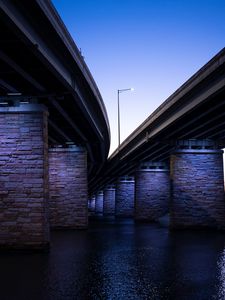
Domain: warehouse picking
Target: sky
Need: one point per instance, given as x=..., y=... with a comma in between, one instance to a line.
x=153, y=46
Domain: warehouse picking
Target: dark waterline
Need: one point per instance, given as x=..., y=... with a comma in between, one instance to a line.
x=119, y=260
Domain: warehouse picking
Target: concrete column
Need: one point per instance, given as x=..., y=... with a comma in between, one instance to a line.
x=109, y=200
x=197, y=198
x=92, y=206
x=68, y=187
x=99, y=203
x=24, y=219
x=152, y=191
x=124, y=197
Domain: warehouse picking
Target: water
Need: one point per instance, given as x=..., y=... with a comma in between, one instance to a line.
x=119, y=260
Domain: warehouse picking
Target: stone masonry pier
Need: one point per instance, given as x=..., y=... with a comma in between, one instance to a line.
x=68, y=187
x=109, y=200
x=152, y=191
x=99, y=203
x=124, y=199
x=197, y=183
x=24, y=217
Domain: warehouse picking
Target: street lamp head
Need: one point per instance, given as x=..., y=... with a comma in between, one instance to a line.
x=125, y=90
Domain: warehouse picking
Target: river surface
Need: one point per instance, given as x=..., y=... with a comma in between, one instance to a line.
x=119, y=260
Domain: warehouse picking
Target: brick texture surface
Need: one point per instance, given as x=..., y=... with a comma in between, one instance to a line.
x=109, y=201
x=152, y=194
x=24, y=178
x=197, y=198
x=68, y=188
x=124, y=198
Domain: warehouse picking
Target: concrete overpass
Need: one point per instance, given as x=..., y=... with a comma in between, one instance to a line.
x=55, y=138
x=40, y=61
x=54, y=126
x=190, y=122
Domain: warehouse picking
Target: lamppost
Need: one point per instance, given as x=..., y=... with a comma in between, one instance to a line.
x=118, y=103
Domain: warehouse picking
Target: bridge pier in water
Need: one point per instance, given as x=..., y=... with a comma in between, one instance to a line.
x=99, y=203
x=197, y=183
x=91, y=206
x=152, y=191
x=24, y=219
x=68, y=187
x=109, y=200
x=124, y=197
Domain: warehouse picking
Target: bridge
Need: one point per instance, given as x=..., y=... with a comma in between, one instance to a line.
x=54, y=125
x=55, y=139
x=173, y=161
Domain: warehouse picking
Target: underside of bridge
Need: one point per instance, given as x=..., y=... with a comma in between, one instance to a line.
x=55, y=139
x=40, y=63
x=195, y=111
x=54, y=128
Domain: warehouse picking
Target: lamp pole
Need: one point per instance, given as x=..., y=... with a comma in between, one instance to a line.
x=118, y=105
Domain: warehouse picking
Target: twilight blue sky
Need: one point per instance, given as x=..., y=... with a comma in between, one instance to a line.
x=153, y=46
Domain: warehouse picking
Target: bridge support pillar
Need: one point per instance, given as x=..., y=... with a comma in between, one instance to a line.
x=109, y=200
x=91, y=206
x=99, y=203
x=24, y=219
x=197, y=197
x=152, y=191
x=124, y=197
x=68, y=187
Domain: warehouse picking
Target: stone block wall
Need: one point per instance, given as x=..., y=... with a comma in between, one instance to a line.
x=124, y=197
x=68, y=187
x=109, y=200
x=99, y=203
x=24, y=214
x=152, y=192
x=197, y=189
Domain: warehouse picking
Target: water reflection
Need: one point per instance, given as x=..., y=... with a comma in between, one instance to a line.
x=119, y=260
x=221, y=276
x=194, y=264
